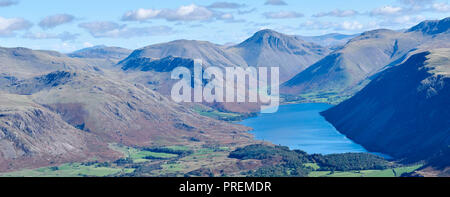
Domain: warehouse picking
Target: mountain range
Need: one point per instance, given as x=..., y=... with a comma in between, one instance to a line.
x=73, y=112
x=57, y=108
x=348, y=69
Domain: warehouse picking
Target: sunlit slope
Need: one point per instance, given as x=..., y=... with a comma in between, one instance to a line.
x=347, y=69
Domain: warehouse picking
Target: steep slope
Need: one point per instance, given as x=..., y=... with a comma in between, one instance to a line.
x=349, y=68
x=166, y=64
x=404, y=111
x=360, y=58
x=432, y=27
x=154, y=73
x=268, y=48
x=120, y=112
x=33, y=136
x=211, y=54
x=102, y=52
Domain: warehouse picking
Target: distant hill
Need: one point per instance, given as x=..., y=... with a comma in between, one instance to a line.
x=22, y=62
x=211, y=54
x=158, y=60
x=155, y=74
x=360, y=58
x=333, y=41
x=101, y=51
x=404, y=111
x=268, y=48
x=348, y=69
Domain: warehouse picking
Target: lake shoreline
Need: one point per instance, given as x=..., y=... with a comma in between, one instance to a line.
x=321, y=137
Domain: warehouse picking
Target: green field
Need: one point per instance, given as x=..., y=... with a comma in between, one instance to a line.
x=139, y=156
x=69, y=170
x=172, y=168
x=395, y=172
x=225, y=116
x=313, y=166
x=137, y=163
x=322, y=97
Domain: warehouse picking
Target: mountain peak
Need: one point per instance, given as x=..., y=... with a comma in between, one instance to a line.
x=267, y=32
x=432, y=27
x=264, y=37
x=271, y=48
x=210, y=53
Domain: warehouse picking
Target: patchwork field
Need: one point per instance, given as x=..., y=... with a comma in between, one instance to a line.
x=395, y=172
x=138, y=161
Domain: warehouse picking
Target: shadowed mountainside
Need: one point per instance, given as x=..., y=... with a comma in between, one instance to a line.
x=404, y=111
x=166, y=64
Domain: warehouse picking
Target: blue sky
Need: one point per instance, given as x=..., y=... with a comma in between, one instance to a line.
x=74, y=24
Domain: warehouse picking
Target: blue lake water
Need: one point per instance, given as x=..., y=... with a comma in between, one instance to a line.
x=300, y=126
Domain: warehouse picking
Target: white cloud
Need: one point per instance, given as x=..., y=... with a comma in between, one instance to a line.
x=402, y=21
x=415, y=2
x=282, y=15
x=184, y=13
x=337, y=13
x=6, y=3
x=441, y=7
x=241, y=12
x=387, y=10
x=227, y=16
x=55, y=20
x=275, y=2
x=351, y=26
x=226, y=5
x=140, y=14
x=65, y=36
x=317, y=25
x=88, y=44
x=8, y=26
x=102, y=29
x=64, y=47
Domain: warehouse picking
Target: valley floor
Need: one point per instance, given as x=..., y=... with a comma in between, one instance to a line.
x=181, y=161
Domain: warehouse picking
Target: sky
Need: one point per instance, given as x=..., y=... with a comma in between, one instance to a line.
x=70, y=25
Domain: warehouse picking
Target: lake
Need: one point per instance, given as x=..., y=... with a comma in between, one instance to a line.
x=300, y=126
